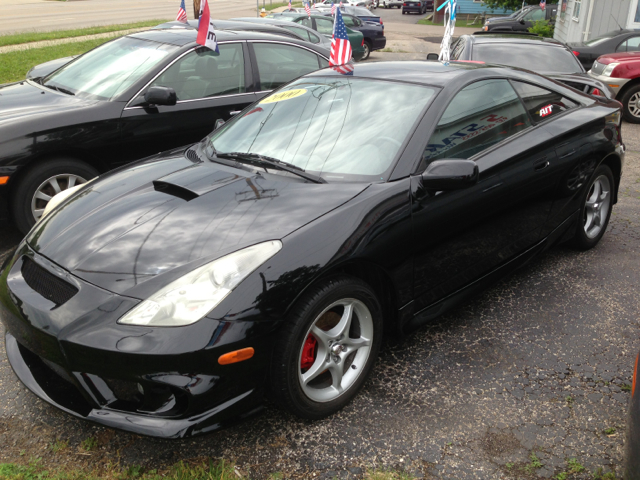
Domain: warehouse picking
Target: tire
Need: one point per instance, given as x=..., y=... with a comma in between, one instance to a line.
x=64, y=172
x=367, y=50
x=593, y=221
x=295, y=356
x=631, y=104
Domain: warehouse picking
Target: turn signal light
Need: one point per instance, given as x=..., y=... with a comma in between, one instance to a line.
x=614, y=86
x=597, y=92
x=577, y=54
x=3, y=180
x=236, y=356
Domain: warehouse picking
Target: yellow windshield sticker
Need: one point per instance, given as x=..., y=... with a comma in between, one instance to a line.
x=288, y=95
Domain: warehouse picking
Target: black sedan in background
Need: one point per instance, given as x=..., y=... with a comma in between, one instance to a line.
x=618, y=41
x=129, y=98
x=541, y=55
x=271, y=258
x=373, y=34
x=524, y=21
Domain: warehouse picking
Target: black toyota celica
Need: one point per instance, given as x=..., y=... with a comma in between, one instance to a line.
x=172, y=296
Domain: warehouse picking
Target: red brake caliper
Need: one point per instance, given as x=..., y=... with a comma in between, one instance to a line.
x=308, y=352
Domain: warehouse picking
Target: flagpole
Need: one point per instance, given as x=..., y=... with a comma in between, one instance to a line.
x=257, y=8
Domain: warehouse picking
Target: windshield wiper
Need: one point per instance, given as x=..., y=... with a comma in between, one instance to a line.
x=60, y=89
x=257, y=159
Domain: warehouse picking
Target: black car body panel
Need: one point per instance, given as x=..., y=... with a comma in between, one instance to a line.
x=38, y=123
x=618, y=41
x=556, y=66
x=119, y=239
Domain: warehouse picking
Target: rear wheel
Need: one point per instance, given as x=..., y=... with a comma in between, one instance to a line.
x=631, y=104
x=367, y=49
x=41, y=183
x=596, y=209
x=327, y=348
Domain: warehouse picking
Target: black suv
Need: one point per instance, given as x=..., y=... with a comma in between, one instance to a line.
x=524, y=21
x=525, y=50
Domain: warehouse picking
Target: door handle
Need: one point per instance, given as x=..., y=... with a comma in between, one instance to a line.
x=540, y=164
x=568, y=154
x=235, y=112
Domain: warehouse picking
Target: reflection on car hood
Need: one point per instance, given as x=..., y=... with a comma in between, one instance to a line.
x=169, y=212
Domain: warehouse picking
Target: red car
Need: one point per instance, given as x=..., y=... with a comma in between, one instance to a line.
x=621, y=71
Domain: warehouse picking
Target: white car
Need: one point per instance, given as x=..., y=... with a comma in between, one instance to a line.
x=391, y=3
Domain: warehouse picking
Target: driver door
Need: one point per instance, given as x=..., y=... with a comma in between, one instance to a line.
x=208, y=85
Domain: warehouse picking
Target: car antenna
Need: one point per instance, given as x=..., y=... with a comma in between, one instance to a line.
x=614, y=19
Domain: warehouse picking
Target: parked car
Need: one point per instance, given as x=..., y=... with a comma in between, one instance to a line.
x=417, y=6
x=542, y=55
x=391, y=3
x=524, y=21
x=621, y=72
x=374, y=38
x=272, y=257
x=129, y=98
x=631, y=467
x=514, y=15
x=619, y=41
x=301, y=31
x=363, y=14
x=324, y=26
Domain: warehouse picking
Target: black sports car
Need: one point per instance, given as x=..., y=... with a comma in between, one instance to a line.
x=541, y=55
x=618, y=41
x=132, y=97
x=169, y=297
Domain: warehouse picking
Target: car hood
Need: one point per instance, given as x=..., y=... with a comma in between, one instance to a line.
x=135, y=230
x=619, y=58
x=27, y=100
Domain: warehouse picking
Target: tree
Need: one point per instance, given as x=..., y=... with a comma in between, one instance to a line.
x=508, y=4
x=196, y=9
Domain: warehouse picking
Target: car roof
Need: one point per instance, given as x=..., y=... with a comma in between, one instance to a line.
x=513, y=38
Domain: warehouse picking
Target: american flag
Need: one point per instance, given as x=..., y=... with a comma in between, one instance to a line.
x=543, y=3
x=340, y=3
x=182, y=13
x=289, y=4
x=340, y=46
x=333, y=8
x=344, y=69
x=307, y=9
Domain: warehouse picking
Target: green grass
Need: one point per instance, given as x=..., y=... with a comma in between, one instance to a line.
x=272, y=6
x=15, y=65
x=27, y=37
x=459, y=23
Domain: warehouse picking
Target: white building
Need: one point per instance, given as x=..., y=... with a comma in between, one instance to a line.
x=580, y=20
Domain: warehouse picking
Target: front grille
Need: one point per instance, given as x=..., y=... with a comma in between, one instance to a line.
x=598, y=68
x=46, y=284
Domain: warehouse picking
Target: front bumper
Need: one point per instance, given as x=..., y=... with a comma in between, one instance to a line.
x=615, y=84
x=162, y=382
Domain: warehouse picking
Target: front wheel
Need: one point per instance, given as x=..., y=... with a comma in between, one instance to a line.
x=631, y=104
x=596, y=209
x=327, y=348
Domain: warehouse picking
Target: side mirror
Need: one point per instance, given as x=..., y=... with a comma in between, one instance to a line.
x=160, y=96
x=218, y=124
x=432, y=56
x=451, y=174
x=522, y=22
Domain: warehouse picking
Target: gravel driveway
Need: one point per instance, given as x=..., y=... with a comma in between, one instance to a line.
x=513, y=384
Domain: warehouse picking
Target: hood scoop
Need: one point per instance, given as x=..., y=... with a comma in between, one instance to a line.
x=195, y=181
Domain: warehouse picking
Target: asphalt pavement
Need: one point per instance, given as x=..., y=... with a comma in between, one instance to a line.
x=538, y=365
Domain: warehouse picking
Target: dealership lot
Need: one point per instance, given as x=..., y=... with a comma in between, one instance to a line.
x=539, y=364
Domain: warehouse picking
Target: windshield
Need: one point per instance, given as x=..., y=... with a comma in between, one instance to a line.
x=359, y=11
x=343, y=129
x=109, y=69
x=603, y=38
x=538, y=58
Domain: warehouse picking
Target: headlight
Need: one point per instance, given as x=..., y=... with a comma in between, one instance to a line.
x=191, y=297
x=609, y=70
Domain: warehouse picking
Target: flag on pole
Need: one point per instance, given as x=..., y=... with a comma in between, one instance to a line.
x=182, y=13
x=307, y=9
x=340, y=3
x=344, y=69
x=543, y=3
x=333, y=8
x=206, y=35
x=290, y=5
x=340, y=47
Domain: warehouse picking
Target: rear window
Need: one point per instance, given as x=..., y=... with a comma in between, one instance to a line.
x=538, y=58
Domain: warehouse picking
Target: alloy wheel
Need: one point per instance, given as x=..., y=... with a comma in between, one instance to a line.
x=50, y=187
x=597, y=206
x=335, y=350
x=634, y=105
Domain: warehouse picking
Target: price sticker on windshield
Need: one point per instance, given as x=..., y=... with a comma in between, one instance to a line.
x=282, y=96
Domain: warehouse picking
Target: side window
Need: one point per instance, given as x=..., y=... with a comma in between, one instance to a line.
x=325, y=26
x=306, y=21
x=535, y=15
x=633, y=44
x=314, y=38
x=542, y=103
x=304, y=34
x=204, y=73
x=479, y=116
x=279, y=64
x=622, y=47
x=349, y=21
x=357, y=22
x=323, y=62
